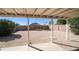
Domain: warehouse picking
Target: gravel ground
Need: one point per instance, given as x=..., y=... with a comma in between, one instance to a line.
x=20, y=38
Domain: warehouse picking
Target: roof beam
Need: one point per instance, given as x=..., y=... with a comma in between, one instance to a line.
x=44, y=11
x=69, y=11
x=76, y=13
x=54, y=11
x=3, y=11
x=25, y=10
x=35, y=11
x=31, y=16
x=15, y=11
x=61, y=11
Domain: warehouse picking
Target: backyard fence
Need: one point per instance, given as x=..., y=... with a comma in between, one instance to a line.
x=59, y=28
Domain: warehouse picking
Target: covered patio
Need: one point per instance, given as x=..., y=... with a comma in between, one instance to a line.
x=64, y=44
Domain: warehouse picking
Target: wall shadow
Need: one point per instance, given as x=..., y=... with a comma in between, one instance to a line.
x=10, y=38
x=76, y=49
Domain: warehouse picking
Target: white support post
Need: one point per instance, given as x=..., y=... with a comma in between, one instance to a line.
x=28, y=30
x=52, y=30
x=67, y=29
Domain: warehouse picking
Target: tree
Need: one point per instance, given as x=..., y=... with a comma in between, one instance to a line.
x=74, y=25
x=61, y=22
x=6, y=27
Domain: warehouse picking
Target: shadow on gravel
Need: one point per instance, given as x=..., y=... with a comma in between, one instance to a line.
x=10, y=38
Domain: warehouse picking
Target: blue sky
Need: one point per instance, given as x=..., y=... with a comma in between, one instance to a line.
x=23, y=21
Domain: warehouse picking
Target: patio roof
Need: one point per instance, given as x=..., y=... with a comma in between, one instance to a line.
x=40, y=12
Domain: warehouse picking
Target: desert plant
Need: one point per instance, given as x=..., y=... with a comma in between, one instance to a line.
x=74, y=25
x=6, y=27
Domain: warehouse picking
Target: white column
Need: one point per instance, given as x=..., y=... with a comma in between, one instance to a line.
x=52, y=30
x=28, y=31
x=67, y=29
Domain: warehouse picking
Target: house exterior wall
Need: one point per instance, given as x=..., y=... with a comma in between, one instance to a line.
x=21, y=28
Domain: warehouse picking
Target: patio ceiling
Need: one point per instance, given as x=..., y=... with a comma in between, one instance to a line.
x=40, y=12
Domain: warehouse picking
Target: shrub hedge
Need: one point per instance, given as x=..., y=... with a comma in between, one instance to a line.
x=6, y=27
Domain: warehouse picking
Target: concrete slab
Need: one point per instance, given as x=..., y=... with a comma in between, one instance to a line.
x=19, y=48
x=52, y=47
x=43, y=46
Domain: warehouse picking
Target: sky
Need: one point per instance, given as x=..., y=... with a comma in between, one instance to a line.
x=23, y=21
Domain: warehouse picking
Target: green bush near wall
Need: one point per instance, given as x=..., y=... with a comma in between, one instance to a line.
x=74, y=25
x=6, y=27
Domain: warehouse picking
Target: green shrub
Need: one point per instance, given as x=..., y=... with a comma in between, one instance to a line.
x=74, y=25
x=6, y=27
